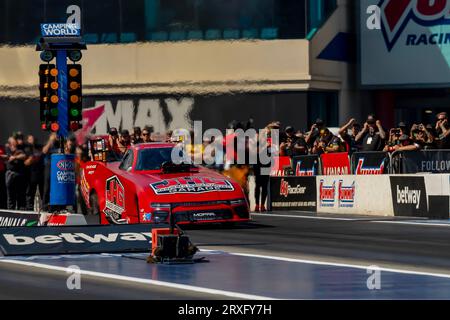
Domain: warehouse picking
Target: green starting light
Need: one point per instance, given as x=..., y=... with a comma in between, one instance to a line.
x=54, y=112
x=74, y=112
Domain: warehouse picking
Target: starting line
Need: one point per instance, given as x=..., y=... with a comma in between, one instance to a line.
x=246, y=276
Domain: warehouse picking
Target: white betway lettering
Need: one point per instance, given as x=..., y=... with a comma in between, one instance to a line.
x=78, y=238
x=407, y=196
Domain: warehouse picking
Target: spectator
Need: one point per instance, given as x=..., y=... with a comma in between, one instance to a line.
x=36, y=168
x=113, y=140
x=124, y=141
x=70, y=145
x=15, y=176
x=146, y=136
x=314, y=133
x=261, y=178
x=372, y=135
x=403, y=128
x=51, y=147
x=443, y=131
x=350, y=139
x=328, y=143
x=3, y=159
x=293, y=145
x=136, y=136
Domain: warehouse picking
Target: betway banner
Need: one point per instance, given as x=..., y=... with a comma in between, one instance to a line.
x=430, y=161
x=405, y=42
x=81, y=239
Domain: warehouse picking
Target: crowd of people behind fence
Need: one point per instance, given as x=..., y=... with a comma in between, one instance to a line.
x=25, y=164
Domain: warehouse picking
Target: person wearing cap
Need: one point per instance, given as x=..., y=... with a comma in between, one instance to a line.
x=443, y=130
x=15, y=176
x=372, y=135
x=136, y=136
x=314, y=134
x=293, y=145
x=350, y=138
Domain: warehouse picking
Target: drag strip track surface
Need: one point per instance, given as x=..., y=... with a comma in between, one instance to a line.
x=415, y=246
x=279, y=257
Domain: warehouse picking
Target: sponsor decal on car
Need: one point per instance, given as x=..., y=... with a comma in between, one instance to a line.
x=191, y=185
x=115, y=200
x=327, y=194
x=204, y=216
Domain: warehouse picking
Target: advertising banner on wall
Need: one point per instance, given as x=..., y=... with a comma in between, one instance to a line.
x=431, y=161
x=293, y=193
x=335, y=164
x=305, y=166
x=354, y=195
x=404, y=42
x=409, y=196
x=370, y=163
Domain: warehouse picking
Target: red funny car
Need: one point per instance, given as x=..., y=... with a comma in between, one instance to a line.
x=146, y=186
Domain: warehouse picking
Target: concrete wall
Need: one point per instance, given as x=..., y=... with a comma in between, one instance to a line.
x=181, y=67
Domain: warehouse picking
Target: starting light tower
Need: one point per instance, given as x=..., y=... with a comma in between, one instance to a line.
x=60, y=84
x=60, y=87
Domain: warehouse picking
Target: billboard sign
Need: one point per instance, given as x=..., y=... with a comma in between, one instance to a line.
x=405, y=43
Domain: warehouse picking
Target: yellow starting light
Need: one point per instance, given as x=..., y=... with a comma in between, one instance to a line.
x=54, y=85
x=74, y=85
x=74, y=99
x=54, y=72
x=54, y=99
x=44, y=99
x=73, y=73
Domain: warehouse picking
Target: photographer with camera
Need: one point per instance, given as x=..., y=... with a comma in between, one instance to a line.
x=372, y=135
x=443, y=131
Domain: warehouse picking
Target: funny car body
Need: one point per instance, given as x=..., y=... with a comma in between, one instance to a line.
x=147, y=187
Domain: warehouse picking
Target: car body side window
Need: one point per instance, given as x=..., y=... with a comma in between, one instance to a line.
x=127, y=161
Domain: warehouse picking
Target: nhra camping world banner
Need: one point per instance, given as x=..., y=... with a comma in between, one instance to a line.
x=305, y=166
x=432, y=161
x=335, y=164
x=370, y=163
x=293, y=193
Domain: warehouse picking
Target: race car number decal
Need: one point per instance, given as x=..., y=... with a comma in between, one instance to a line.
x=115, y=200
x=191, y=185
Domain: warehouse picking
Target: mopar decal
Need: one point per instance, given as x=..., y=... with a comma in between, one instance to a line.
x=191, y=185
x=115, y=200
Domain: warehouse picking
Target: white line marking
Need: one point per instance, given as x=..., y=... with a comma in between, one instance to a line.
x=231, y=294
x=322, y=263
x=368, y=219
x=433, y=224
x=301, y=217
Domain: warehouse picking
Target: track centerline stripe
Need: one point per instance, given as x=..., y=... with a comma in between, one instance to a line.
x=159, y=283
